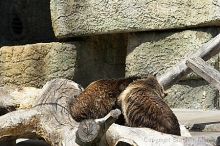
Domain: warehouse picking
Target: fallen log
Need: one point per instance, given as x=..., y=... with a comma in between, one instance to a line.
x=90, y=132
x=48, y=117
x=148, y=137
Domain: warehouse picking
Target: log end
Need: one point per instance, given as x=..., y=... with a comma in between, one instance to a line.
x=87, y=132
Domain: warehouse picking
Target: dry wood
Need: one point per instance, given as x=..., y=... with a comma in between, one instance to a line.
x=48, y=117
x=148, y=137
x=193, y=116
x=206, y=71
x=91, y=131
x=45, y=113
x=178, y=71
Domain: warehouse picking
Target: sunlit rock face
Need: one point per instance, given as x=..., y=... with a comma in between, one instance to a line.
x=89, y=17
x=35, y=64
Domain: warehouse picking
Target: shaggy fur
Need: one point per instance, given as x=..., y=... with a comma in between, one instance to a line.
x=98, y=99
x=143, y=106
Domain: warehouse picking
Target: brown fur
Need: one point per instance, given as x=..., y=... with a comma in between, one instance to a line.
x=98, y=99
x=143, y=106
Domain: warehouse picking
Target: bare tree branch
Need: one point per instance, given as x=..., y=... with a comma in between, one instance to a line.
x=178, y=71
x=48, y=117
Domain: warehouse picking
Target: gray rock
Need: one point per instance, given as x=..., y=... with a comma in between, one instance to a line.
x=83, y=61
x=155, y=52
x=194, y=94
x=89, y=17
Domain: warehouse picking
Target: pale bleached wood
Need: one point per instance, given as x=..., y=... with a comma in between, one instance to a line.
x=50, y=119
x=91, y=131
x=194, y=116
x=149, y=137
x=206, y=71
x=175, y=73
x=47, y=116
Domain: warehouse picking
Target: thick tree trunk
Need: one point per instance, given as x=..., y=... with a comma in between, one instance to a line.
x=46, y=115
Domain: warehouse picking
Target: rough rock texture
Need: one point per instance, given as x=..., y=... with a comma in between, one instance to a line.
x=155, y=52
x=33, y=65
x=194, y=94
x=25, y=21
x=74, y=17
x=83, y=61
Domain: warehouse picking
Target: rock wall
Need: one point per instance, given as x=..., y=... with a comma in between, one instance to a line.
x=107, y=39
x=91, y=17
x=155, y=52
x=84, y=61
x=34, y=65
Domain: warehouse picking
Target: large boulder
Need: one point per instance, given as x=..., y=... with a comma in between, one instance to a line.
x=155, y=52
x=84, y=60
x=194, y=94
x=34, y=65
x=74, y=17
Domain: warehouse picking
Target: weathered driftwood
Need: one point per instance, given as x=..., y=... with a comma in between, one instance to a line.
x=148, y=137
x=206, y=71
x=175, y=73
x=91, y=131
x=47, y=116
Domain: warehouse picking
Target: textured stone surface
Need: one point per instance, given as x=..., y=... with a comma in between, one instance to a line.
x=25, y=21
x=83, y=61
x=155, y=52
x=33, y=65
x=194, y=94
x=87, y=17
